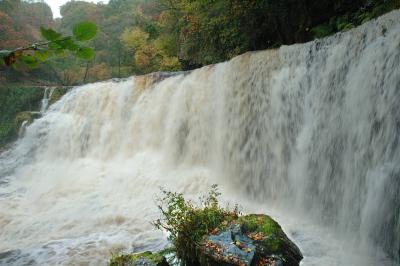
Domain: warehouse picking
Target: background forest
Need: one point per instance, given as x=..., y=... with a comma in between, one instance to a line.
x=141, y=36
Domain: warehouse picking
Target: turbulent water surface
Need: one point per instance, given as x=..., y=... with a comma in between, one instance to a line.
x=308, y=133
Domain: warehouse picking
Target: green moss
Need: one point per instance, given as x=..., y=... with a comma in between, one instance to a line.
x=272, y=243
x=259, y=223
x=22, y=117
x=267, y=227
x=130, y=259
x=6, y=132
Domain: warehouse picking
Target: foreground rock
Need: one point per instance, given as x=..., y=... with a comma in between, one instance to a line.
x=139, y=259
x=249, y=240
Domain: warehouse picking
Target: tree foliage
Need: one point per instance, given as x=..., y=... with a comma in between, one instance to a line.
x=141, y=36
x=213, y=31
x=55, y=44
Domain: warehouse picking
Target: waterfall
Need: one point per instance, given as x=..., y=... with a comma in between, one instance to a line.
x=21, y=130
x=44, y=104
x=45, y=101
x=308, y=132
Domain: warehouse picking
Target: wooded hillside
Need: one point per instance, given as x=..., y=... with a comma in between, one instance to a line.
x=141, y=36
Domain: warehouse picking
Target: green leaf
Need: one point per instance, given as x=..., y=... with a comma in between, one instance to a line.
x=54, y=46
x=42, y=55
x=85, y=53
x=49, y=34
x=29, y=60
x=68, y=44
x=59, y=52
x=84, y=31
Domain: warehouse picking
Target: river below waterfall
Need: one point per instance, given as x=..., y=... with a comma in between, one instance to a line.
x=308, y=133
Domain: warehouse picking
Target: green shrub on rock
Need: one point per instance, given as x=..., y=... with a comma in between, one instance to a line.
x=211, y=235
x=208, y=235
x=187, y=223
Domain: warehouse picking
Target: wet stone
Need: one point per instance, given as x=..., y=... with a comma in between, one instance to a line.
x=255, y=240
x=230, y=246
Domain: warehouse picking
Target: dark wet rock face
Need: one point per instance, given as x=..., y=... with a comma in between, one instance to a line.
x=228, y=246
x=250, y=240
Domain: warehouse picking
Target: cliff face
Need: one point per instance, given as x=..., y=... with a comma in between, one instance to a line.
x=12, y=102
x=20, y=104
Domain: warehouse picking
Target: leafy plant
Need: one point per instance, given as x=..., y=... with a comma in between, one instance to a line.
x=187, y=222
x=344, y=26
x=55, y=44
x=364, y=17
x=322, y=30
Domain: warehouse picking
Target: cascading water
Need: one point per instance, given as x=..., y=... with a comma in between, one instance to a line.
x=45, y=101
x=44, y=104
x=309, y=133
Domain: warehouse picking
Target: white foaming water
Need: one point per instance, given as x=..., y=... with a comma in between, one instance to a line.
x=45, y=101
x=308, y=133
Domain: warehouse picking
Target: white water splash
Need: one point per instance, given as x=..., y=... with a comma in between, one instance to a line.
x=45, y=101
x=309, y=133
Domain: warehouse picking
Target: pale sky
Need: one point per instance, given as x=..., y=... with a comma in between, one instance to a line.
x=55, y=5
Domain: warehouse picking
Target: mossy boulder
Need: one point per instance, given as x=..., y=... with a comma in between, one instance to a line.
x=208, y=235
x=140, y=259
x=24, y=118
x=249, y=240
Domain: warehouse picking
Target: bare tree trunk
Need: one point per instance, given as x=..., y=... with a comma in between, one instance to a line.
x=119, y=62
x=86, y=72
